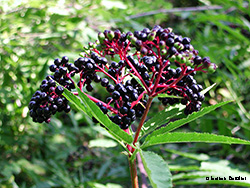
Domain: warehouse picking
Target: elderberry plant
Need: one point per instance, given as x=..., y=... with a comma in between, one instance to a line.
x=152, y=62
x=134, y=68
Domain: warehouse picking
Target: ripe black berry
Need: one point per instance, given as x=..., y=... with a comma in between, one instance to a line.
x=123, y=110
x=186, y=40
x=57, y=62
x=124, y=126
x=89, y=87
x=116, y=95
x=117, y=119
x=104, y=82
x=126, y=120
x=65, y=60
x=97, y=78
x=134, y=96
x=59, y=90
x=110, y=88
x=197, y=60
x=52, y=68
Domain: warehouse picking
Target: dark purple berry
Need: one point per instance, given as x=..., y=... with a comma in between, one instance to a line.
x=126, y=120
x=89, y=87
x=124, y=126
x=197, y=60
x=123, y=110
x=59, y=90
x=52, y=68
x=186, y=40
x=134, y=96
x=57, y=62
x=116, y=95
x=104, y=109
x=65, y=60
x=110, y=88
x=97, y=78
x=117, y=119
x=104, y=82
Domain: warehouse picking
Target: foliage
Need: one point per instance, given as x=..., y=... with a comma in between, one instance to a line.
x=33, y=33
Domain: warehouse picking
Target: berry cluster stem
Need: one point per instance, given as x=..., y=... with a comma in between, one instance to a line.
x=142, y=121
x=137, y=74
x=132, y=163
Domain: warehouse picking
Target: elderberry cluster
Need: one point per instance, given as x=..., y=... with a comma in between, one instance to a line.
x=132, y=67
x=49, y=99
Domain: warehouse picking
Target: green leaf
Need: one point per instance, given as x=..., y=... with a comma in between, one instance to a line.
x=235, y=33
x=207, y=89
x=195, y=115
x=75, y=100
x=105, y=143
x=26, y=165
x=138, y=80
x=164, y=116
x=182, y=167
x=198, y=157
x=162, y=95
x=159, y=119
x=112, y=128
x=214, y=168
x=201, y=181
x=181, y=137
x=109, y=185
x=157, y=169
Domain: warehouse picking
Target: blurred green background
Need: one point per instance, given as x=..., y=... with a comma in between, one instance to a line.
x=63, y=153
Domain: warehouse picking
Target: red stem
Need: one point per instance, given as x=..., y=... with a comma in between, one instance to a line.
x=138, y=75
x=103, y=103
x=142, y=121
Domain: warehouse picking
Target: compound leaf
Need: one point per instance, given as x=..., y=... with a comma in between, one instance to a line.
x=195, y=115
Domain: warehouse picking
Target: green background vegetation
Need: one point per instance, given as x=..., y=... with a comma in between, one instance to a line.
x=63, y=153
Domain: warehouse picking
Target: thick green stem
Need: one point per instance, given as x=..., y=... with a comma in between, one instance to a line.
x=133, y=173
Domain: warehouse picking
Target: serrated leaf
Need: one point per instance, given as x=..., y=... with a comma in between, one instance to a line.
x=201, y=181
x=164, y=95
x=215, y=169
x=165, y=115
x=183, y=168
x=157, y=169
x=195, y=115
x=211, y=167
x=74, y=100
x=195, y=156
x=182, y=137
x=159, y=119
x=112, y=128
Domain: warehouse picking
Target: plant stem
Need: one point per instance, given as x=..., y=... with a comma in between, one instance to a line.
x=142, y=121
x=133, y=173
x=132, y=163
